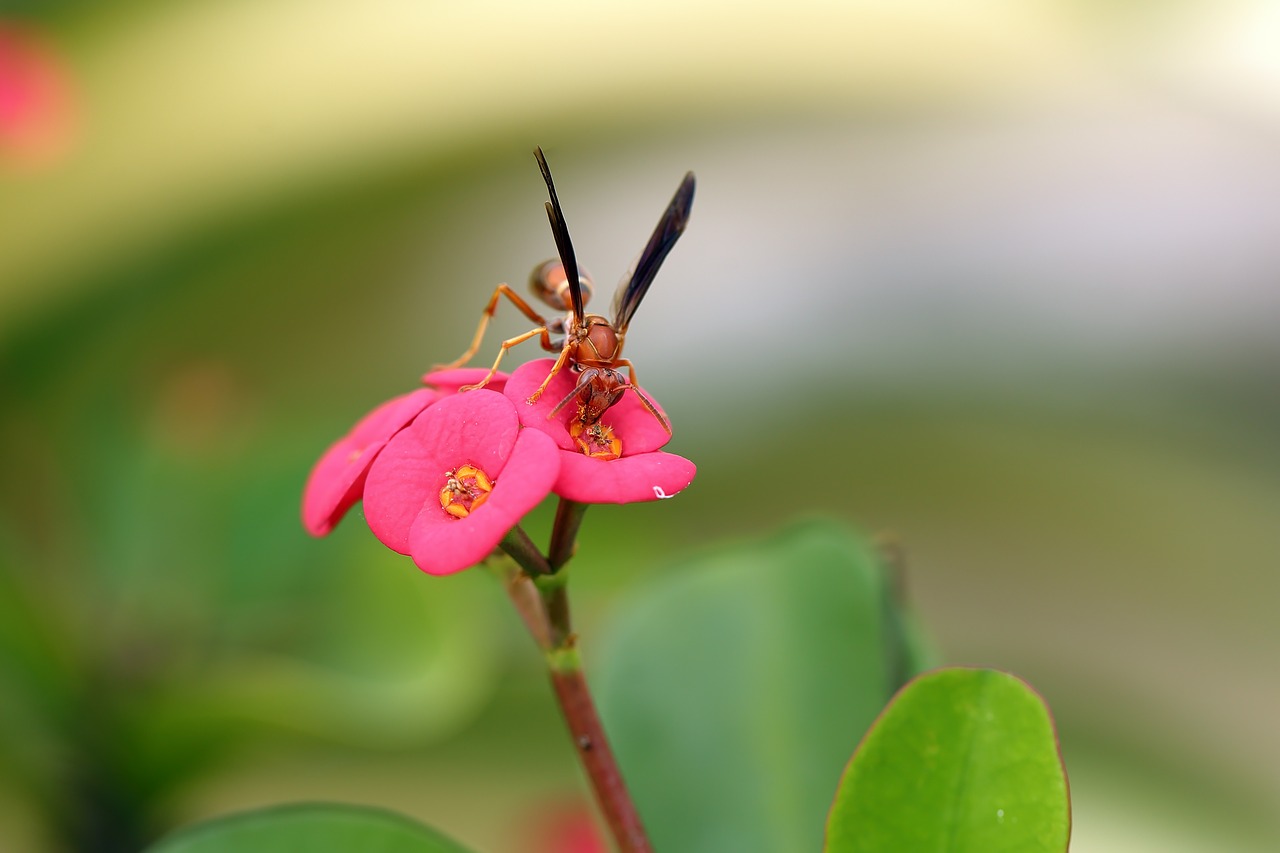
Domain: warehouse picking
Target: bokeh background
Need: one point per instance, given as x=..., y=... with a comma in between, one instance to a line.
x=997, y=276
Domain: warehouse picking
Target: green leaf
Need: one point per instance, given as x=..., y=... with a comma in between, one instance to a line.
x=735, y=688
x=961, y=760
x=313, y=827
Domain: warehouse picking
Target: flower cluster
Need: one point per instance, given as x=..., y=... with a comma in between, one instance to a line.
x=445, y=474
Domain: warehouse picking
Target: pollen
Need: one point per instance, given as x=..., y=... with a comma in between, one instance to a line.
x=596, y=441
x=464, y=490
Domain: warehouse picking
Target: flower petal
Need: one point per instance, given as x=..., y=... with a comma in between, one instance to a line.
x=337, y=480
x=449, y=381
x=478, y=428
x=644, y=477
x=441, y=544
x=527, y=378
x=393, y=415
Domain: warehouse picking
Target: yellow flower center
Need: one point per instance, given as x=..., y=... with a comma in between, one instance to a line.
x=464, y=490
x=597, y=440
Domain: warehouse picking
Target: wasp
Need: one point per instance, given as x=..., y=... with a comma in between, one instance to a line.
x=591, y=346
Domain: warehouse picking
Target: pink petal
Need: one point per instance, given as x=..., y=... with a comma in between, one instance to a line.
x=449, y=381
x=337, y=480
x=335, y=484
x=477, y=428
x=527, y=378
x=441, y=544
x=392, y=416
x=645, y=477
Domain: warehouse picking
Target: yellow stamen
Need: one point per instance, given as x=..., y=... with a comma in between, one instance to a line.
x=596, y=441
x=464, y=490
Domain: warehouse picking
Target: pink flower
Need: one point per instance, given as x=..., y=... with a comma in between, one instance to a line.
x=620, y=462
x=564, y=827
x=449, y=486
x=337, y=480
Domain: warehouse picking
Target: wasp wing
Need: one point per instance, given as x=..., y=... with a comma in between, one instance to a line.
x=563, y=244
x=636, y=283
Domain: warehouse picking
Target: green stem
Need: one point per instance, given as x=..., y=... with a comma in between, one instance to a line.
x=519, y=547
x=554, y=592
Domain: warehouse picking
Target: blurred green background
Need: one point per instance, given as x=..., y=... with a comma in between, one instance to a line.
x=998, y=276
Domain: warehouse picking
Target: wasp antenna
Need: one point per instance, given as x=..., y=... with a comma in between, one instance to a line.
x=561, y=233
x=653, y=410
x=574, y=393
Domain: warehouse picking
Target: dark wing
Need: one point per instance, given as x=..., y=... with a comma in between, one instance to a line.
x=563, y=244
x=636, y=283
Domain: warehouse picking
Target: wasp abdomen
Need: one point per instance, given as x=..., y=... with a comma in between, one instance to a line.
x=549, y=283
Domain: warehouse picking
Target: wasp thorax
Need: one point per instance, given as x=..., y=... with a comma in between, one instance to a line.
x=549, y=283
x=603, y=340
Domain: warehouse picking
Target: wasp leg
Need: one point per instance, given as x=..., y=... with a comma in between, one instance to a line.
x=506, y=345
x=555, y=368
x=631, y=369
x=487, y=315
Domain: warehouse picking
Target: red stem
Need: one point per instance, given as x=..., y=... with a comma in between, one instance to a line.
x=597, y=758
x=549, y=623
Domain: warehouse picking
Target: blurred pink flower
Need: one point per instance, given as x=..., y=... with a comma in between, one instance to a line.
x=614, y=462
x=567, y=827
x=337, y=480
x=449, y=486
x=36, y=114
